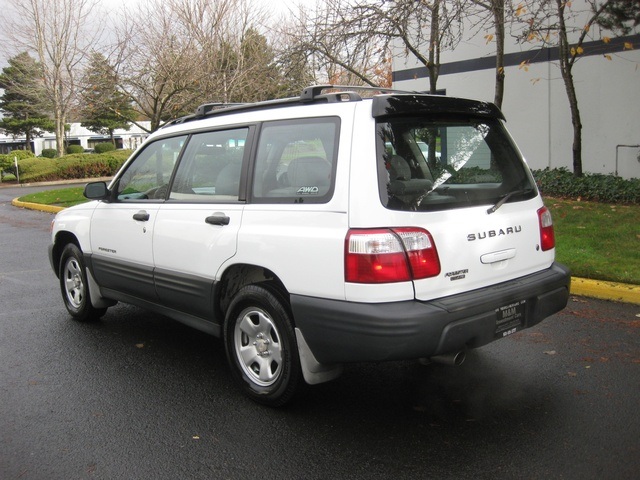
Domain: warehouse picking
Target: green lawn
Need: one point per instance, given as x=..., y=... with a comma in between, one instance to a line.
x=65, y=197
x=595, y=240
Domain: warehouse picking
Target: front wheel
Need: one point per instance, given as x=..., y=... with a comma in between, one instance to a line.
x=74, y=286
x=261, y=346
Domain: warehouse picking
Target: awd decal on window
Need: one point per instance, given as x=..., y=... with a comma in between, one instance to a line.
x=308, y=191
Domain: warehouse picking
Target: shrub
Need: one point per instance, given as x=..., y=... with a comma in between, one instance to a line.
x=596, y=187
x=36, y=169
x=7, y=161
x=71, y=149
x=91, y=166
x=72, y=166
x=104, y=147
x=49, y=153
x=21, y=154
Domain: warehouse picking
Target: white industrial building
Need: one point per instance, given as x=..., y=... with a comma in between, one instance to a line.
x=607, y=78
x=77, y=135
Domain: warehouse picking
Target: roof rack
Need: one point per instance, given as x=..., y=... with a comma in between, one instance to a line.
x=204, y=109
x=311, y=94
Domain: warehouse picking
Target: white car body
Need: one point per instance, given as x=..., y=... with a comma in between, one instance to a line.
x=188, y=252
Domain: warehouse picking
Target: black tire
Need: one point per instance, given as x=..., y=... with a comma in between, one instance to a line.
x=74, y=286
x=261, y=345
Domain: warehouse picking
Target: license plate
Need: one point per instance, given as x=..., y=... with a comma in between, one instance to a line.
x=510, y=318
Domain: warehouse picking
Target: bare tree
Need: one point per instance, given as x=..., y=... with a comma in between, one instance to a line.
x=244, y=63
x=299, y=68
x=157, y=63
x=567, y=26
x=492, y=14
x=176, y=54
x=336, y=45
x=357, y=36
x=58, y=32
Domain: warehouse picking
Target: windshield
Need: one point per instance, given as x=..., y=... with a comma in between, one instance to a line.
x=448, y=163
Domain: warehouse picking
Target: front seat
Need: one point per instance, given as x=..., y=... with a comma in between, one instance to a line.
x=309, y=172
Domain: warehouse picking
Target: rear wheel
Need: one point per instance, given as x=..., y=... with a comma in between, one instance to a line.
x=261, y=346
x=74, y=286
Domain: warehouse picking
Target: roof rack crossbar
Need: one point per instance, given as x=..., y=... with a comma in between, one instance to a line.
x=203, y=109
x=312, y=92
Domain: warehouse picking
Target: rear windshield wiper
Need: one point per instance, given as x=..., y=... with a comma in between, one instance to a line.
x=506, y=197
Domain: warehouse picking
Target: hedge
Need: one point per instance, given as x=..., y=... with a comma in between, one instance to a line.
x=69, y=167
x=7, y=160
x=77, y=166
x=561, y=183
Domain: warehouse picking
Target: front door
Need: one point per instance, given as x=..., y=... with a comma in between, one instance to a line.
x=122, y=230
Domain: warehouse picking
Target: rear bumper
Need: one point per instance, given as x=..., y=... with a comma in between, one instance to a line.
x=339, y=331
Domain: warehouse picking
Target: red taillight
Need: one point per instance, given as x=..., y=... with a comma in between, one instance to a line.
x=547, y=237
x=390, y=255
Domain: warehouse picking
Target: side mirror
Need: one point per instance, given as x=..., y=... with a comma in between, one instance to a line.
x=97, y=191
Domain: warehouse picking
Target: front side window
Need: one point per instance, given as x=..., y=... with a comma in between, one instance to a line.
x=448, y=163
x=210, y=169
x=296, y=160
x=147, y=177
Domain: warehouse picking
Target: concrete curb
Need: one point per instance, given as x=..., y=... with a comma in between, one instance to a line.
x=617, y=292
x=36, y=206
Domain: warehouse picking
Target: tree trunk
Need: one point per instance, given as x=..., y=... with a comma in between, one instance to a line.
x=566, y=66
x=576, y=121
x=59, y=135
x=434, y=64
x=27, y=141
x=497, y=7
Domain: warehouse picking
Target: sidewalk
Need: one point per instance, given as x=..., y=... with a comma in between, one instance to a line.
x=617, y=292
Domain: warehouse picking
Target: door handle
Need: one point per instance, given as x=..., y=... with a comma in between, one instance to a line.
x=141, y=216
x=218, y=219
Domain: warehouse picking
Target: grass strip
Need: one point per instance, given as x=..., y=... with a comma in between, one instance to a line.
x=65, y=197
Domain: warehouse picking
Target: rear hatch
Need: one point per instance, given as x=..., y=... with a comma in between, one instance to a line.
x=448, y=169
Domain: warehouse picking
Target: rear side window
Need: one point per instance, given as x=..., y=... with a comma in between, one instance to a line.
x=211, y=166
x=448, y=163
x=296, y=160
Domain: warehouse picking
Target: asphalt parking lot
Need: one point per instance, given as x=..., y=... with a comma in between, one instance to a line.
x=141, y=396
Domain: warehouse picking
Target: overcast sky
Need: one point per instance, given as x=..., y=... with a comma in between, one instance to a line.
x=275, y=7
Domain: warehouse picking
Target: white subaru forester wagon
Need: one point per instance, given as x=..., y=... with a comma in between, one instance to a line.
x=320, y=230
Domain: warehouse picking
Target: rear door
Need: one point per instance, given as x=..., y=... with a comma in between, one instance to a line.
x=196, y=229
x=461, y=178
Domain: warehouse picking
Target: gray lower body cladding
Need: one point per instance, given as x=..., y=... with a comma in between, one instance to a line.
x=339, y=331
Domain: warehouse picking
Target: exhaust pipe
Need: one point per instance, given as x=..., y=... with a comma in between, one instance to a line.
x=454, y=359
